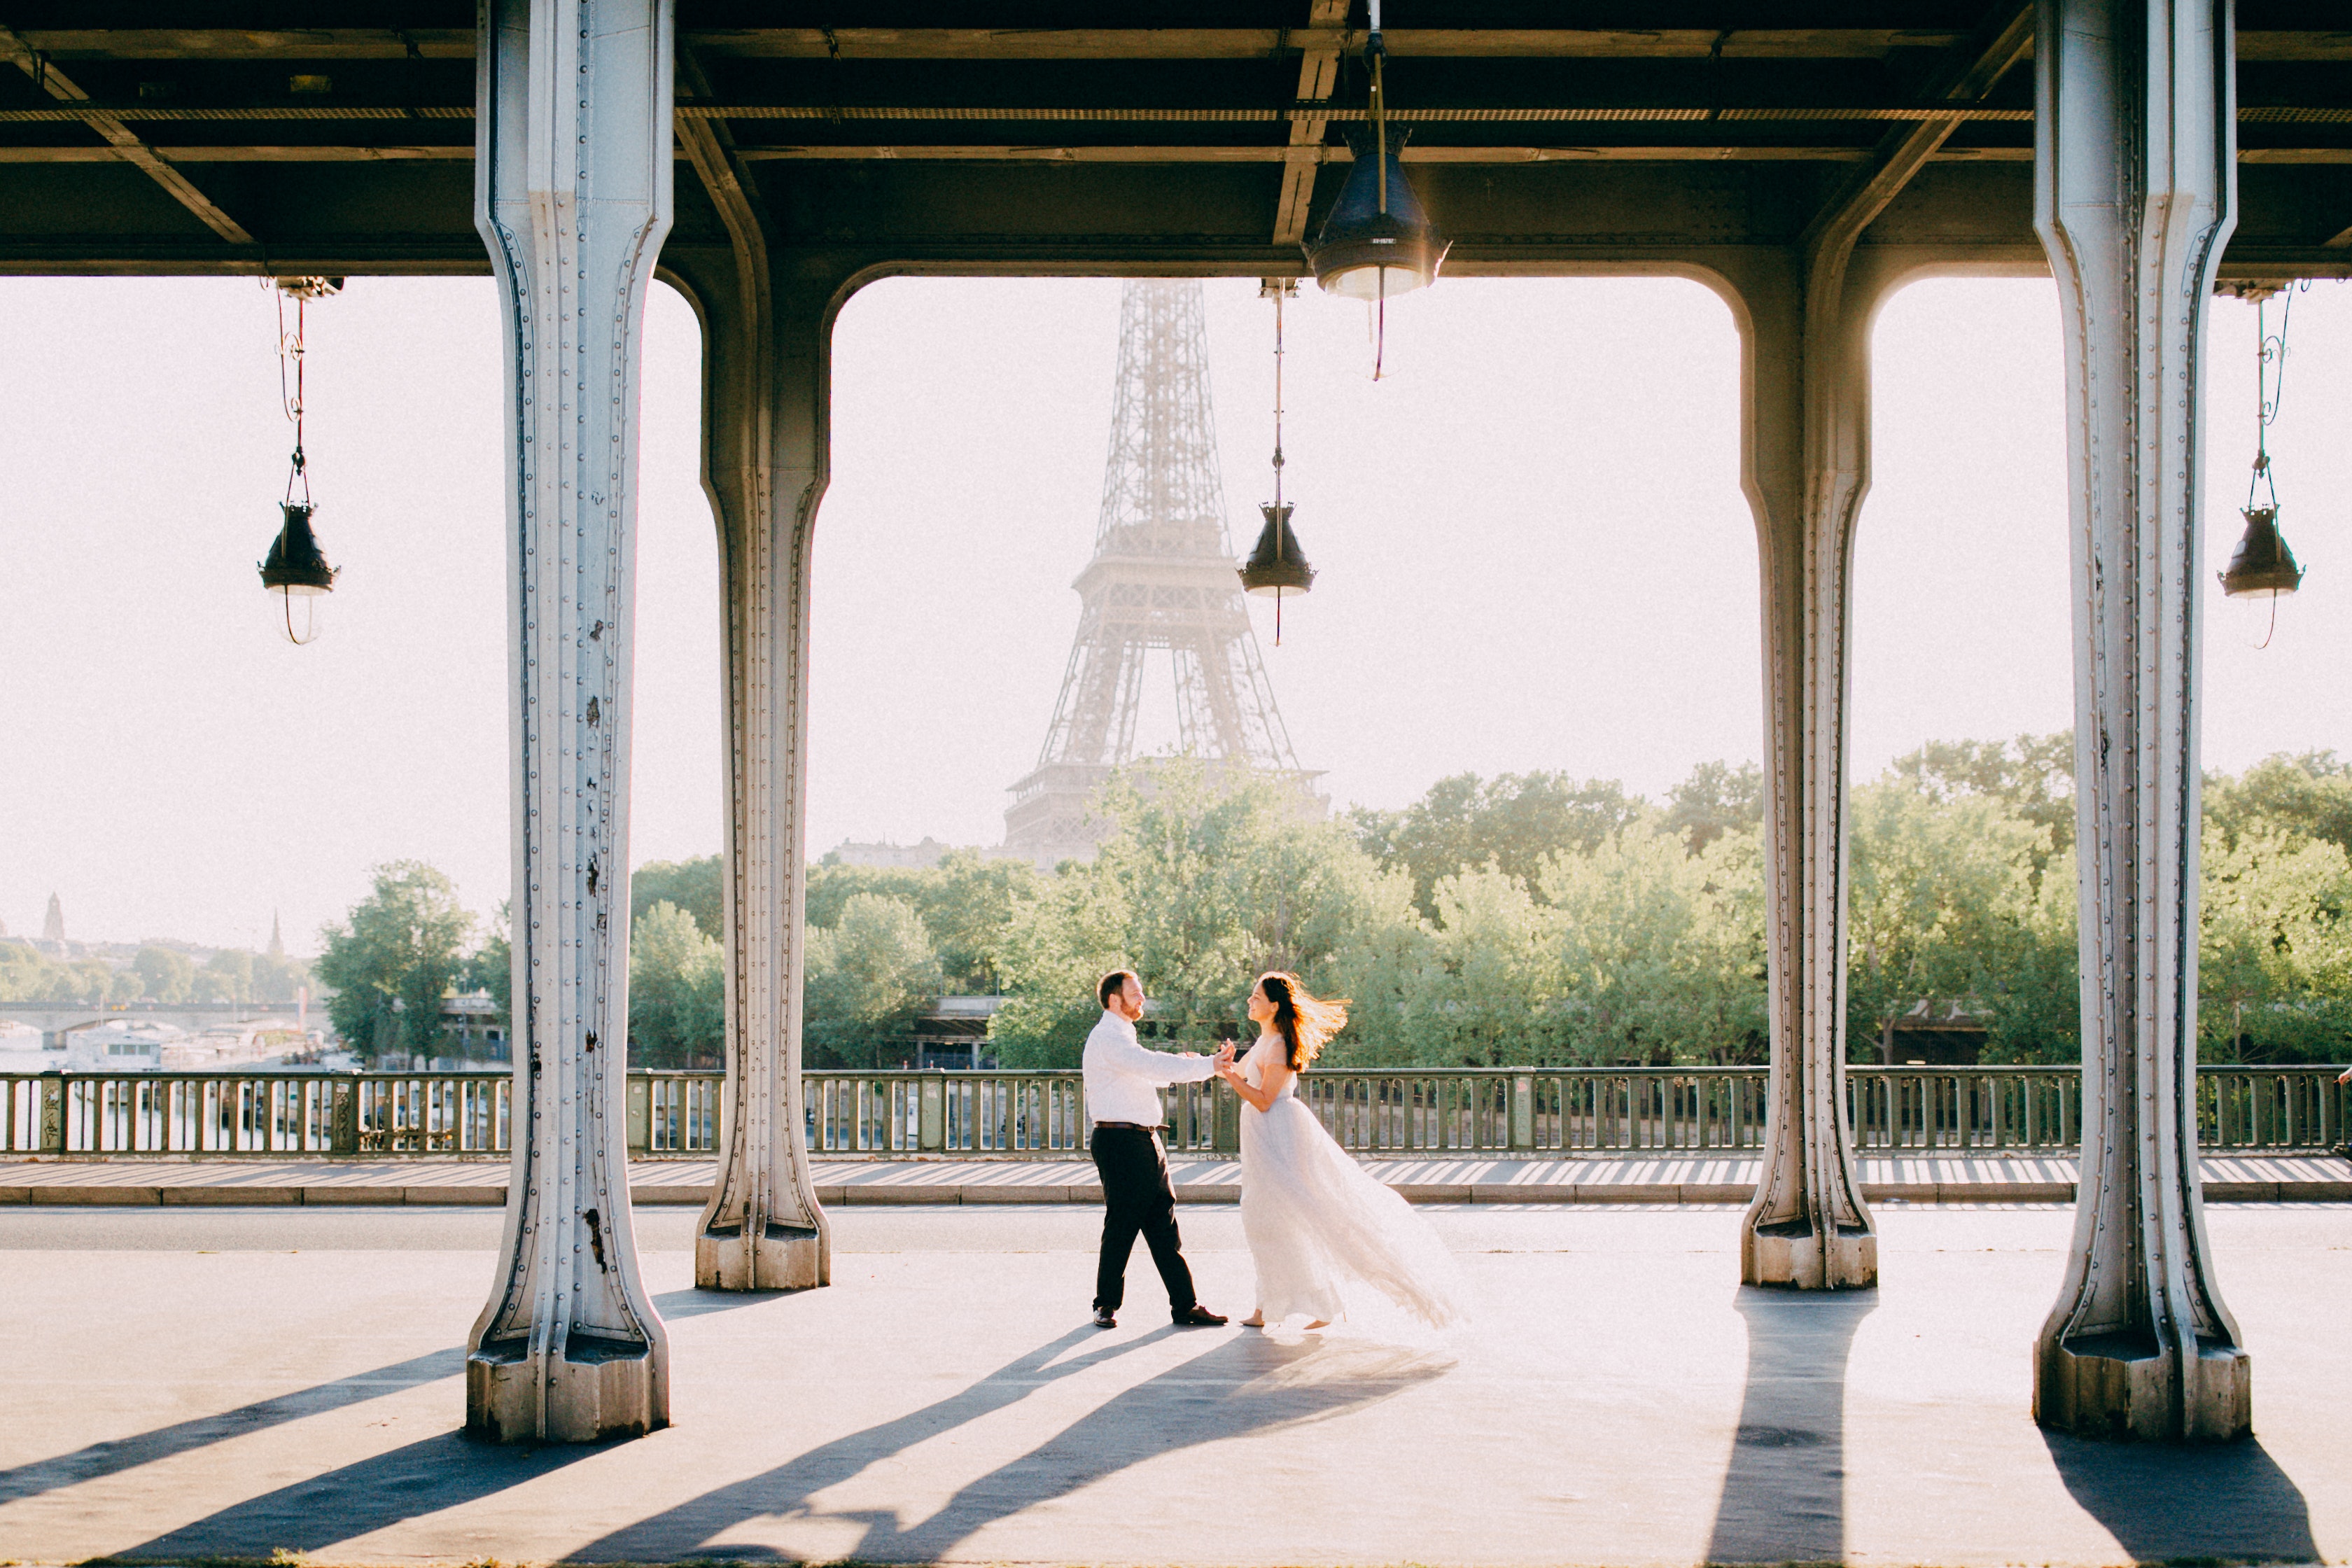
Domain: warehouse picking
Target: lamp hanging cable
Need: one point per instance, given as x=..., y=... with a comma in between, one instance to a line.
x=2263, y=570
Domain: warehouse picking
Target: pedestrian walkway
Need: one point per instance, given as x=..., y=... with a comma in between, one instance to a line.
x=195, y=1385
x=1667, y=1178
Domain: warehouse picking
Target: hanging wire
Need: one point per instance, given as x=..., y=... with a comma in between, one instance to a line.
x=1375, y=52
x=2270, y=385
x=1280, y=520
x=291, y=351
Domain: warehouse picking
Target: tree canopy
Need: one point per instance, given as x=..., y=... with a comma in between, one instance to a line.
x=393, y=959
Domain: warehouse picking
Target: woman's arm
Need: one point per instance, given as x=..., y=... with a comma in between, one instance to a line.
x=1263, y=1098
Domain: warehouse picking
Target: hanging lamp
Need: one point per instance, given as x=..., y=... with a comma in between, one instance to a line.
x=1276, y=566
x=2262, y=569
x=296, y=572
x=1377, y=241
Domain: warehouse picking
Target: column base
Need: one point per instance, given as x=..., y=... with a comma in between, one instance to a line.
x=2126, y=1387
x=1786, y=1252
x=600, y=1388
x=766, y=1257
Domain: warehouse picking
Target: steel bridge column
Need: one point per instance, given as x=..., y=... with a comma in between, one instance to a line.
x=1806, y=390
x=2135, y=165
x=766, y=373
x=573, y=197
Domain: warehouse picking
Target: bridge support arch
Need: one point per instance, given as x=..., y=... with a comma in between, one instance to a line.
x=767, y=368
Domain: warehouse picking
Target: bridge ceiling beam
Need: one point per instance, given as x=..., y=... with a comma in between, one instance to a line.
x=122, y=144
x=1701, y=44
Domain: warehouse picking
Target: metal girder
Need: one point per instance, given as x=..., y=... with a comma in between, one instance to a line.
x=1697, y=44
x=122, y=142
x=2134, y=195
x=1809, y=443
x=572, y=198
x=763, y=468
x=1318, y=77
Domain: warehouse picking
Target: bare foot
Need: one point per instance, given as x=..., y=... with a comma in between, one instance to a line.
x=1254, y=1321
x=1319, y=1324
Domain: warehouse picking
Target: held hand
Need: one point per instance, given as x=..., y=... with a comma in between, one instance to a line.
x=1224, y=1055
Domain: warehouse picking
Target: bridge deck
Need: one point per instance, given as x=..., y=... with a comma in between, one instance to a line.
x=1670, y=1178
x=1618, y=1400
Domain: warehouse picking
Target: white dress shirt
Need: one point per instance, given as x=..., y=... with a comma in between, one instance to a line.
x=1123, y=1075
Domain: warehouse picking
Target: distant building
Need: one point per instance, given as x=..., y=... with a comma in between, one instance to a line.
x=53, y=928
x=920, y=856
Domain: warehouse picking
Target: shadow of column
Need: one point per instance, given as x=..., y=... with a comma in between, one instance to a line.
x=1240, y=1386
x=2163, y=1502
x=1784, y=1491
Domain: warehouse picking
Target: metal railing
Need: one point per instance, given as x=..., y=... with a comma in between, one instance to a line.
x=1042, y=1115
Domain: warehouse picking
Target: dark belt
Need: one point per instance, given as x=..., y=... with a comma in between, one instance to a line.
x=1135, y=1126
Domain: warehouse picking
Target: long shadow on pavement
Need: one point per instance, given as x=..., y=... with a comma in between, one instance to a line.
x=1239, y=1385
x=2209, y=1501
x=162, y=1443
x=1784, y=1492
x=696, y=1302
x=444, y=1471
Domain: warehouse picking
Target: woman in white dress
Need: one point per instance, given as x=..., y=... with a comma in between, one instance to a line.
x=1317, y=1222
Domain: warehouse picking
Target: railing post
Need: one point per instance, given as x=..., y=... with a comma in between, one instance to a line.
x=343, y=1117
x=932, y=1130
x=1228, y=1138
x=53, y=1114
x=1523, y=1111
x=641, y=1114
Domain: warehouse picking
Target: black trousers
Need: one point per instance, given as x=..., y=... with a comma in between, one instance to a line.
x=1137, y=1199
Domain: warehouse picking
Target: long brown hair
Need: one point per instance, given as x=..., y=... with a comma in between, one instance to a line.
x=1304, y=1020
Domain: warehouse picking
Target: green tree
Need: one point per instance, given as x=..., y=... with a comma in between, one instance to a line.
x=1511, y=824
x=227, y=976
x=1938, y=899
x=392, y=959
x=1718, y=798
x=2033, y=775
x=490, y=967
x=1206, y=881
x=967, y=903
x=2309, y=795
x=867, y=979
x=677, y=990
x=2274, y=960
x=163, y=975
x=695, y=885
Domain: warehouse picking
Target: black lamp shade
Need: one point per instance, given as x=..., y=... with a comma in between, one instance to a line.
x=294, y=565
x=1277, y=565
x=2262, y=563
x=1364, y=253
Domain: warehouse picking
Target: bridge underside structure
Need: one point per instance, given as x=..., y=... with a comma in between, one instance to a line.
x=2140, y=150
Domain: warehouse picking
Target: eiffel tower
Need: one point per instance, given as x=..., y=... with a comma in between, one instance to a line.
x=1162, y=578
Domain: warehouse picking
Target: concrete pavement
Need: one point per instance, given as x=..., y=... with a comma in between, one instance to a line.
x=193, y=1382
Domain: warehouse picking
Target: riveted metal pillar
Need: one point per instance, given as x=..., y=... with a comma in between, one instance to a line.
x=2136, y=160
x=766, y=365
x=573, y=197
x=1806, y=386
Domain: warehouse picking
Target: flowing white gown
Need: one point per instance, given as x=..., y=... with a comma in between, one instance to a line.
x=1318, y=1223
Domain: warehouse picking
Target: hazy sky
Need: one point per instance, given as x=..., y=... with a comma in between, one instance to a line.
x=1533, y=553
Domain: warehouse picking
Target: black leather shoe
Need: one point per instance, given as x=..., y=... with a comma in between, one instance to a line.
x=1198, y=1318
x=1103, y=1319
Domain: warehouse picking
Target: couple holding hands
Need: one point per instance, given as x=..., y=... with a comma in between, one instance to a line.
x=1316, y=1223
